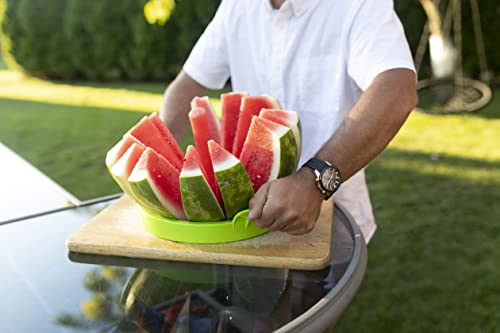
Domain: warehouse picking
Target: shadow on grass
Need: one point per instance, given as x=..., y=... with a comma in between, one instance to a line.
x=492, y=109
x=433, y=263
x=68, y=143
x=489, y=111
x=406, y=158
x=3, y=65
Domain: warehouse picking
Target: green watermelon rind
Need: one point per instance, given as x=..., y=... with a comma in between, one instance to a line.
x=288, y=154
x=198, y=200
x=235, y=187
x=145, y=196
x=296, y=130
x=123, y=184
x=299, y=144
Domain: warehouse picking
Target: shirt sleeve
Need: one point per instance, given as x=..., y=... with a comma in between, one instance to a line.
x=377, y=43
x=208, y=63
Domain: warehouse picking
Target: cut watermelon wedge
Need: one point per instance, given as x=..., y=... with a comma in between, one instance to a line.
x=269, y=152
x=167, y=135
x=155, y=184
x=235, y=186
x=213, y=121
x=286, y=118
x=198, y=199
x=117, y=151
x=152, y=133
x=122, y=169
x=200, y=120
x=250, y=106
x=230, y=106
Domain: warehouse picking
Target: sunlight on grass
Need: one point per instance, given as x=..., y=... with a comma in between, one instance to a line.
x=466, y=135
x=443, y=165
x=14, y=85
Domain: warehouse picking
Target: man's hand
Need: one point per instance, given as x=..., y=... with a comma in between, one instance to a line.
x=291, y=204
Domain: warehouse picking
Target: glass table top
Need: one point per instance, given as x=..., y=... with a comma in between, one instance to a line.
x=26, y=190
x=46, y=289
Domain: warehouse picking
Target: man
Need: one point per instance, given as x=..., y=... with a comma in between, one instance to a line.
x=345, y=66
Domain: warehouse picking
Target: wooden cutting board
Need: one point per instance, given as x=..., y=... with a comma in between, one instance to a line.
x=118, y=231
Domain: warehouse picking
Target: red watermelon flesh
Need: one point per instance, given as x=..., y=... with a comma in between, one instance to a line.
x=230, y=105
x=147, y=132
x=269, y=152
x=128, y=161
x=258, y=153
x=155, y=183
x=200, y=120
x=192, y=160
x=168, y=137
x=250, y=106
x=213, y=121
x=122, y=169
x=115, y=153
x=285, y=118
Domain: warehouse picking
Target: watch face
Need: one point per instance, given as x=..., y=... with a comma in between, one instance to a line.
x=330, y=179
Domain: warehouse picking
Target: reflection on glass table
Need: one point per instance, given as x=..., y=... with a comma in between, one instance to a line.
x=45, y=289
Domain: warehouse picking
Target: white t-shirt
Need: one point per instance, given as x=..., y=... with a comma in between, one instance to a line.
x=316, y=56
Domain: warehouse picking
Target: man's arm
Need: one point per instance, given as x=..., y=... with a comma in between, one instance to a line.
x=293, y=203
x=176, y=103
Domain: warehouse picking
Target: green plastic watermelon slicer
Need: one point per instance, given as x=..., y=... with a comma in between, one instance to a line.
x=239, y=228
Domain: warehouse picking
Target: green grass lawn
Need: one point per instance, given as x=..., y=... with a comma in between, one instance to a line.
x=434, y=263
x=66, y=129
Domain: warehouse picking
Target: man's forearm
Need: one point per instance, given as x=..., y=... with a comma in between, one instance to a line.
x=176, y=103
x=372, y=123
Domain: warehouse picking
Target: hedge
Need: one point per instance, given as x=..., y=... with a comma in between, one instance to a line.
x=99, y=39
x=111, y=40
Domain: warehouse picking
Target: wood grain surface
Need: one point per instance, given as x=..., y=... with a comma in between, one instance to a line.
x=118, y=231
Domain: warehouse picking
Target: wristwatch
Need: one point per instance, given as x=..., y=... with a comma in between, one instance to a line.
x=328, y=177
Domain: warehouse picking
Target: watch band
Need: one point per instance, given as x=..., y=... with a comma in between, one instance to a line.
x=317, y=166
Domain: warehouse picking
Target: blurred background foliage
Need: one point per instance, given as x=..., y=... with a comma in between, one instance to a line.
x=413, y=18
x=101, y=40
x=150, y=39
x=158, y=11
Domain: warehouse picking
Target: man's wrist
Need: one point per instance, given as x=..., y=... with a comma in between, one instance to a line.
x=327, y=176
x=310, y=178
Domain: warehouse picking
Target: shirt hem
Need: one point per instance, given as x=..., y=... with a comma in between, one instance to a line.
x=202, y=79
x=377, y=70
x=369, y=233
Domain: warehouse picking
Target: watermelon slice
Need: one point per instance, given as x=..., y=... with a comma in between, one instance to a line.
x=235, y=186
x=152, y=133
x=200, y=124
x=154, y=181
x=213, y=121
x=198, y=199
x=286, y=118
x=269, y=152
x=167, y=135
x=230, y=105
x=122, y=169
x=250, y=106
x=117, y=151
